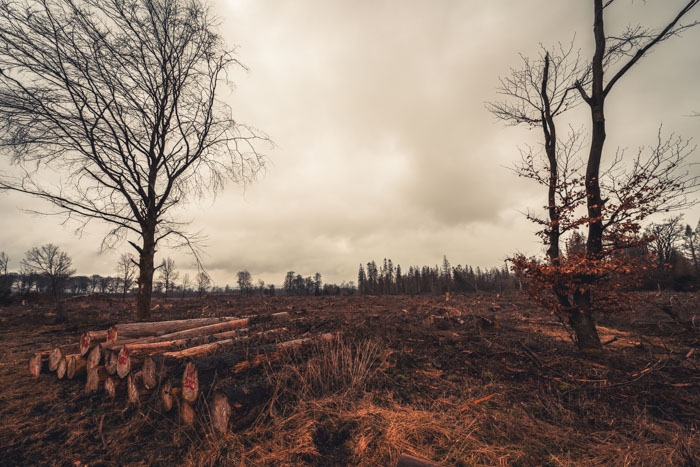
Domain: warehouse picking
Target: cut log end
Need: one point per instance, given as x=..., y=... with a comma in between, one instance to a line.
x=166, y=396
x=36, y=362
x=123, y=362
x=186, y=413
x=148, y=371
x=133, y=391
x=94, y=357
x=112, y=335
x=55, y=357
x=220, y=413
x=85, y=340
x=62, y=367
x=190, y=383
x=111, y=385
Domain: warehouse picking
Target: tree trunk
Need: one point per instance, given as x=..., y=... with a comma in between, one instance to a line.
x=581, y=320
x=146, y=269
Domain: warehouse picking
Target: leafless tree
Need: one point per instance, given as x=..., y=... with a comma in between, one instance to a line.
x=4, y=261
x=691, y=243
x=665, y=238
x=168, y=274
x=126, y=270
x=185, y=284
x=203, y=282
x=120, y=98
x=51, y=262
x=245, y=282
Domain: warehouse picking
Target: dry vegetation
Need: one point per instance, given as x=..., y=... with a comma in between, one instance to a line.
x=478, y=380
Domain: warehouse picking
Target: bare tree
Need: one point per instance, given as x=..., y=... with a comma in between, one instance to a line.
x=185, y=284
x=203, y=282
x=126, y=270
x=168, y=274
x=665, y=238
x=691, y=240
x=656, y=181
x=54, y=264
x=120, y=98
x=4, y=261
x=245, y=282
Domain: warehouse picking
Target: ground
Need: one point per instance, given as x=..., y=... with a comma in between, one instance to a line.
x=476, y=380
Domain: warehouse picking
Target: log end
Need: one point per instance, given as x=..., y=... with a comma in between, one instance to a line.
x=85, y=340
x=186, y=413
x=35, y=364
x=123, y=362
x=62, y=367
x=148, y=371
x=190, y=383
x=54, y=357
x=166, y=396
x=220, y=412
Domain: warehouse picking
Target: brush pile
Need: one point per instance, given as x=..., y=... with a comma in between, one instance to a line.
x=171, y=363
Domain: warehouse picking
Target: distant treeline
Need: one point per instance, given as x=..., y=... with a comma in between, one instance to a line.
x=389, y=279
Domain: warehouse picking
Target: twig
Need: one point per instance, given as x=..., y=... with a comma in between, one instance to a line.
x=99, y=430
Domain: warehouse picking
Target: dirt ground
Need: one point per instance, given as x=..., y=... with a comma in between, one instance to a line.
x=476, y=380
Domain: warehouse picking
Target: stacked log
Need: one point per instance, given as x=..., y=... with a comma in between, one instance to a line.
x=171, y=362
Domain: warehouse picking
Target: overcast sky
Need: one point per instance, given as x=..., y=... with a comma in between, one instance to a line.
x=384, y=148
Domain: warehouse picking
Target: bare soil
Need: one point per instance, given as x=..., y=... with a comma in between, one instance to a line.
x=476, y=380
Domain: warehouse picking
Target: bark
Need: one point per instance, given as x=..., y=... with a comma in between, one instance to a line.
x=583, y=324
x=550, y=137
x=146, y=267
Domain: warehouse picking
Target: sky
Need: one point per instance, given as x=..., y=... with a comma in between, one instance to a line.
x=384, y=147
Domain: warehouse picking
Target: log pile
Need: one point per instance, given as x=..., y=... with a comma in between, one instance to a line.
x=170, y=363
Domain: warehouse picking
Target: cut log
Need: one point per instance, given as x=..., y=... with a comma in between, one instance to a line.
x=155, y=328
x=55, y=357
x=62, y=367
x=220, y=412
x=281, y=316
x=89, y=339
x=76, y=366
x=94, y=357
x=95, y=379
x=37, y=362
x=410, y=461
x=190, y=383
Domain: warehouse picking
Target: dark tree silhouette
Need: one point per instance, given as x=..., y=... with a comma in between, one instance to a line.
x=49, y=261
x=126, y=271
x=168, y=274
x=119, y=97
